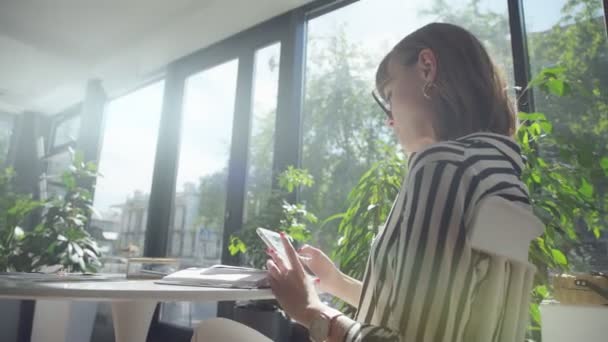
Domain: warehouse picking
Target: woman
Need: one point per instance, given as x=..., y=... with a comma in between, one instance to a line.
x=448, y=107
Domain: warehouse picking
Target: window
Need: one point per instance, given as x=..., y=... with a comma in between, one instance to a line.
x=261, y=143
x=67, y=131
x=572, y=35
x=343, y=130
x=57, y=163
x=208, y=110
x=200, y=198
x=126, y=164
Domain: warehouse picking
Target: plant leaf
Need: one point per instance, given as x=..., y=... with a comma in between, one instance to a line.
x=559, y=257
x=604, y=165
x=586, y=189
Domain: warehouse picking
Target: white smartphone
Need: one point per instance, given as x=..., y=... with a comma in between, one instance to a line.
x=273, y=240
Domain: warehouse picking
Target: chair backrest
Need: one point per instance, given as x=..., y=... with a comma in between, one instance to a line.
x=504, y=228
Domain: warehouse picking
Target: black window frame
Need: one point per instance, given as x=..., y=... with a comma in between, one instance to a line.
x=11, y=119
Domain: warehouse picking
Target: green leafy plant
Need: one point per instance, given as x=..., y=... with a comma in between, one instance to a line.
x=369, y=205
x=14, y=208
x=60, y=237
x=279, y=215
x=561, y=173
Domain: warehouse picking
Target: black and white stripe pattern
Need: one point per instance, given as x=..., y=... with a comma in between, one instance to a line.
x=421, y=275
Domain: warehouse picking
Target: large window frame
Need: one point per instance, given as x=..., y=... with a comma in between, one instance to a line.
x=282, y=29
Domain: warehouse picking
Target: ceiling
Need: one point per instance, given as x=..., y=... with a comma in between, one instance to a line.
x=49, y=49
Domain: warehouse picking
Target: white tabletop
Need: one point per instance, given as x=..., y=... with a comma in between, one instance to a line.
x=125, y=290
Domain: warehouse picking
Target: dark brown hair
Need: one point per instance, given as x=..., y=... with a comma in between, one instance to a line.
x=469, y=93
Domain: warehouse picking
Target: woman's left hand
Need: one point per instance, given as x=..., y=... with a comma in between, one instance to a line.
x=292, y=287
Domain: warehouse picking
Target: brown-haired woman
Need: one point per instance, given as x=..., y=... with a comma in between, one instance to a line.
x=447, y=104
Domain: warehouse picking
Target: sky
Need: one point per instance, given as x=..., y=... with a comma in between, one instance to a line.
x=132, y=121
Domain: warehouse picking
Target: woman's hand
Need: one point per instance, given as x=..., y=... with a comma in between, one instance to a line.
x=292, y=287
x=322, y=266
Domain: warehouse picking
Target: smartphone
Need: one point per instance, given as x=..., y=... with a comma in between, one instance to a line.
x=273, y=240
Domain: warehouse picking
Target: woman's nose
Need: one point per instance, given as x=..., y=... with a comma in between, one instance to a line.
x=389, y=122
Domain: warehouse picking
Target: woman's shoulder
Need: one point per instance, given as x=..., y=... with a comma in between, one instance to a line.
x=449, y=151
x=468, y=150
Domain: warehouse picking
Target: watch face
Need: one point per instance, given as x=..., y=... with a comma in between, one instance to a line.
x=319, y=329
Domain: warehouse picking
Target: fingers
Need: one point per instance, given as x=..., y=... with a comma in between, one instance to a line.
x=305, y=259
x=307, y=249
x=278, y=260
x=273, y=270
x=292, y=255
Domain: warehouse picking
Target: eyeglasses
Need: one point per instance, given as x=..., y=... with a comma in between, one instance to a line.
x=386, y=107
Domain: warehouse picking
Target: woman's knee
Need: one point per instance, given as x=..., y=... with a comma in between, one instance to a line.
x=223, y=330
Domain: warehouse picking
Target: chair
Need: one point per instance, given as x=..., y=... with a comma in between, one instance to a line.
x=503, y=230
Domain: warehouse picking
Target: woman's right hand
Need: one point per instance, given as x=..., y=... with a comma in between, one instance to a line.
x=322, y=266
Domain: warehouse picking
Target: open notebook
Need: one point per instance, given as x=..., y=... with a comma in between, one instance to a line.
x=219, y=276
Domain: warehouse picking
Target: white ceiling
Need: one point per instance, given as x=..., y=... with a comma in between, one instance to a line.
x=49, y=49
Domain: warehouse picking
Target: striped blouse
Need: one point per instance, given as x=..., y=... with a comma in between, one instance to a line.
x=421, y=275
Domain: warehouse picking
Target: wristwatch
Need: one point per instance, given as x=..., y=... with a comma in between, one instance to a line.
x=319, y=328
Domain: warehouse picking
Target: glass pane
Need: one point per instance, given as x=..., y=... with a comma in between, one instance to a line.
x=200, y=199
x=571, y=35
x=126, y=164
x=205, y=148
x=58, y=163
x=343, y=128
x=67, y=131
x=6, y=130
x=261, y=144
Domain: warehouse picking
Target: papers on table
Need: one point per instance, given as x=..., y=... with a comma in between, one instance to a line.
x=219, y=276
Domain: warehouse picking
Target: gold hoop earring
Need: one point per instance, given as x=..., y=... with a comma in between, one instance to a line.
x=425, y=90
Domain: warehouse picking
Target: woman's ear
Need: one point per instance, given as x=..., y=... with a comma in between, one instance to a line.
x=427, y=65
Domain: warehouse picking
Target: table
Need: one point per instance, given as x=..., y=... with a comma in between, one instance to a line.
x=133, y=301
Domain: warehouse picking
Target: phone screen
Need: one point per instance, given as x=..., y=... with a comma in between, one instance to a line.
x=272, y=240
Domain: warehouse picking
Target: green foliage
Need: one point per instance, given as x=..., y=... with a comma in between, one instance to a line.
x=369, y=204
x=343, y=128
x=279, y=215
x=212, y=193
x=293, y=177
x=60, y=238
x=552, y=81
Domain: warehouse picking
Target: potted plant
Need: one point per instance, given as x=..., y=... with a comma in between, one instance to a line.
x=57, y=241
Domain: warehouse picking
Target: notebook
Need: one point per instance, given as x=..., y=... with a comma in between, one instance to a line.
x=224, y=276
